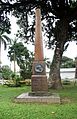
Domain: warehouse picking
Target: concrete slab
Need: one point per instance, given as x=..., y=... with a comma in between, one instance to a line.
x=26, y=98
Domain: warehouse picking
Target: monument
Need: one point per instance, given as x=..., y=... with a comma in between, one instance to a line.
x=39, y=78
x=39, y=92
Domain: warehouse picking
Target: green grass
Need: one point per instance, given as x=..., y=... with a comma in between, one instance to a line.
x=11, y=110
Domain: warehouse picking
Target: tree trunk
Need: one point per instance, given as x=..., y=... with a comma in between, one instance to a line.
x=14, y=63
x=61, y=34
x=54, y=75
x=76, y=68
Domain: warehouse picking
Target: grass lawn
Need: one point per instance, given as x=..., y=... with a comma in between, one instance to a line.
x=10, y=110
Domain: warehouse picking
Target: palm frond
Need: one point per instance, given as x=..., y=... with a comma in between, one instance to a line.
x=7, y=38
x=5, y=45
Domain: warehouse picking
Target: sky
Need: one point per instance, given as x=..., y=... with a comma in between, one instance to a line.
x=48, y=53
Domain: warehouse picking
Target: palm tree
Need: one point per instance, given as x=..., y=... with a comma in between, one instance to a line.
x=12, y=53
x=4, y=39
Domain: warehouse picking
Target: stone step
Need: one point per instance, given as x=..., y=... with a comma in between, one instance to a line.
x=26, y=98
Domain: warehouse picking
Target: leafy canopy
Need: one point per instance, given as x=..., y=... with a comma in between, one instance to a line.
x=23, y=57
x=53, y=11
x=67, y=62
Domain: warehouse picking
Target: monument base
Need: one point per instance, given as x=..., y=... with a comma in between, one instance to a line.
x=25, y=98
x=39, y=93
x=39, y=83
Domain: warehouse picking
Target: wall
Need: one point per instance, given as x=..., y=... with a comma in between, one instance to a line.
x=68, y=73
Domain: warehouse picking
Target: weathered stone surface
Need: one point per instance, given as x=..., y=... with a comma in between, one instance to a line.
x=39, y=56
x=39, y=83
x=39, y=78
x=25, y=98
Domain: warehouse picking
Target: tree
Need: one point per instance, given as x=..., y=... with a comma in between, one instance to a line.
x=75, y=67
x=3, y=39
x=12, y=53
x=24, y=58
x=63, y=14
x=6, y=72
x=67, y=62
x=4, y=28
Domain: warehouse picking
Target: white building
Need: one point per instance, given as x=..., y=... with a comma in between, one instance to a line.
x=66, y=73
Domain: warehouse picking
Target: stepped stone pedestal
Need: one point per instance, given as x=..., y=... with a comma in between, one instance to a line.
x=49, y=99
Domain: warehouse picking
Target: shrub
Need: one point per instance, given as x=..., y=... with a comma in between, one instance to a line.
x=27, y=82
x=66, y=82
x=6, y=72
x=14, y=81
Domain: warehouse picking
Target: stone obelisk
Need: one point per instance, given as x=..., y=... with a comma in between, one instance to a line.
x=39, y=78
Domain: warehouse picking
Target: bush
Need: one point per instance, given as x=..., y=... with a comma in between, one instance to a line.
x=66, y=82
x=6, y=72
x=27, y=82
x=14, y=81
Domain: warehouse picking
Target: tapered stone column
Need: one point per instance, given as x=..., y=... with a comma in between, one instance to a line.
x=39, y=78
x=38, y=37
